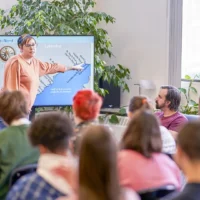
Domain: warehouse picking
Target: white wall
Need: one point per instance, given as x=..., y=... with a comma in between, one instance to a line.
x=7, y=4
x=140, y=40
x=139, y=37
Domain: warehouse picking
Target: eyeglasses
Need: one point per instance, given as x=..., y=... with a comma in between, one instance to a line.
x=30, y=45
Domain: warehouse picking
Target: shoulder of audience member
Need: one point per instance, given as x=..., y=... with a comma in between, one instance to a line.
x=182, y=116
x=21, y=184
x=5, y=132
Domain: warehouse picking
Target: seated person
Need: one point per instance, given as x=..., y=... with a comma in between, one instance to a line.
x=15, y=149
x=140, y=102
x=98, y=180
x=168, y=101
x=50, y=133
x=86, y=107
x=141, y=164
x=188, y=158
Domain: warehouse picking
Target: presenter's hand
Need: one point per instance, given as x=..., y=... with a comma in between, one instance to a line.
x=78, y=67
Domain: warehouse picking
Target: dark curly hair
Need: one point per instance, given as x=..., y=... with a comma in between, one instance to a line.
x=52, y=130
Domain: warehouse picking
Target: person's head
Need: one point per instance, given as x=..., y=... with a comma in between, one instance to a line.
x=143, y=134
x=51, y=132
x=136, y=103
x=169, y=97
x=188, y=146
x=13, y=106
x=86, y=105
x=27, y=45
x=98, y=177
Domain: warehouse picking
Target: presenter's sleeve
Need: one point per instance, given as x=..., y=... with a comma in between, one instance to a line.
x=12, y=77
x=48, y=68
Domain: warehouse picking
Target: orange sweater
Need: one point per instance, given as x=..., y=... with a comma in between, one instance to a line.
x=20, y=75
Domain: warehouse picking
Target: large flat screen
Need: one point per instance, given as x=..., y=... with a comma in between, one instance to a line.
x=57, y=89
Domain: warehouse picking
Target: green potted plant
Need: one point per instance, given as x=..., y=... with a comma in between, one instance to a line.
x=191, y=106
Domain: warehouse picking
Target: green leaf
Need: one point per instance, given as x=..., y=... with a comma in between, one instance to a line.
x=193, y=89
x=183, y=90
x=102, y=118
x=192, y=102
x=187, y=77
x=114, y=119
x=122, y=111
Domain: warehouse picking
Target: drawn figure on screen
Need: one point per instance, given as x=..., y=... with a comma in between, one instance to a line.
x=22, y=71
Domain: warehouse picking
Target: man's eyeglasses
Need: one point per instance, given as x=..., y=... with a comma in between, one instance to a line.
x=30, y=45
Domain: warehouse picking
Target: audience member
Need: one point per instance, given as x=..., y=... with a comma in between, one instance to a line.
x=188, y=158
x=50, y=133
x=140, y=102
x=15, y=149
x=86, y=108
x=141, y=163
x=98, y=175
x=168, y=101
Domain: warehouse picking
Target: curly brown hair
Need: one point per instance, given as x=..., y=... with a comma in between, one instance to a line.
x=52, y=130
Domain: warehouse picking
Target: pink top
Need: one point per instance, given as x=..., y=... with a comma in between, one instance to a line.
x=20, y=75
x=138, y=172
x=173, y=122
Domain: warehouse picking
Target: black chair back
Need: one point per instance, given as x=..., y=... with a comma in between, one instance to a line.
x=156, y=193
x=17, y=173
